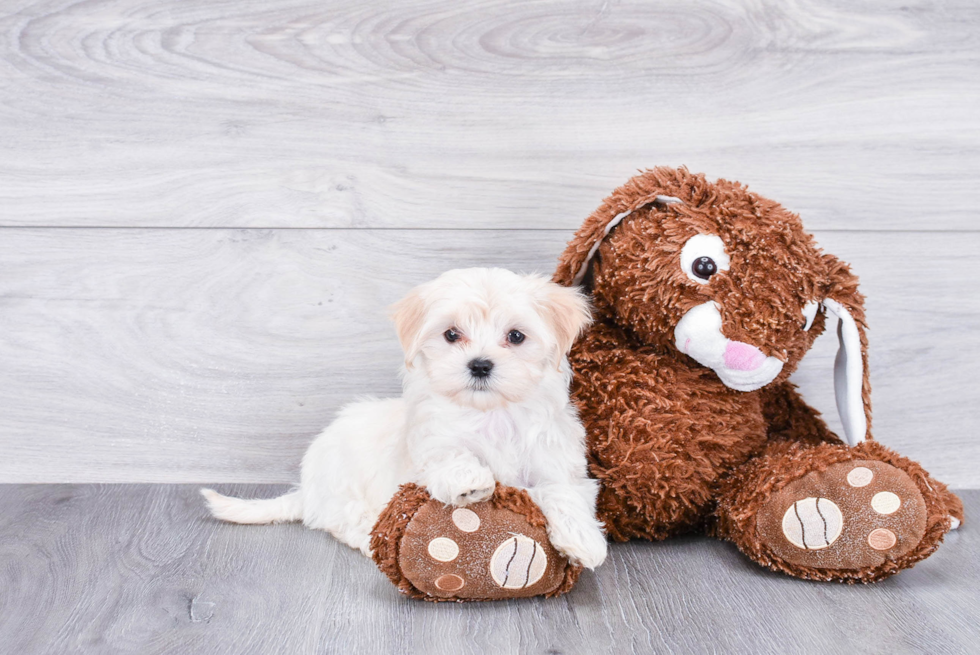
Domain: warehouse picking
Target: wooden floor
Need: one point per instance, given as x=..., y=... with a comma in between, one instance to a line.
x=142, y=569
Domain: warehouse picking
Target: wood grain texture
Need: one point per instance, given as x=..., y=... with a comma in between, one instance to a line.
x=142, y=569
x=203, y=355
x=501, y=114
x=417, y=137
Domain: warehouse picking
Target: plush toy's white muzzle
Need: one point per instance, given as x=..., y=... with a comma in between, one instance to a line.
x=743, y=367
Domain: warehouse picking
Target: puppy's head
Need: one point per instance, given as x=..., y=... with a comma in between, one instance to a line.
x=485, y=337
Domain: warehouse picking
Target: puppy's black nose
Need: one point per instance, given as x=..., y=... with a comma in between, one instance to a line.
x=480, y=368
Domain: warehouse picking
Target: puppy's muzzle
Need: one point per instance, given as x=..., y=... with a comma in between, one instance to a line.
x=480, y=368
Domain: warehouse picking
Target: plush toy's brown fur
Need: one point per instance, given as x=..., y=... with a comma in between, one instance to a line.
x=676, y=450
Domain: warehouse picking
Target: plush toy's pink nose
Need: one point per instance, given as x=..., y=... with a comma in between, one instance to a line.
x=743, y=357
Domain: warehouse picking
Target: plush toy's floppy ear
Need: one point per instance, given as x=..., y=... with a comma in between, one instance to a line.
x=650, y=187
x=568, y=312
x=852, y=385
x=408, y=315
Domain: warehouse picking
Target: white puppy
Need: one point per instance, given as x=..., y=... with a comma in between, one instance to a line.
x=485, y=399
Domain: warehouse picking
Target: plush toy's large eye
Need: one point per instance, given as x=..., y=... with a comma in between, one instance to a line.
x=703, y=256
x=704, y=267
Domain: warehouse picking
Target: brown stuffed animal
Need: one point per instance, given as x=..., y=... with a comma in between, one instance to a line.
x=706, y=299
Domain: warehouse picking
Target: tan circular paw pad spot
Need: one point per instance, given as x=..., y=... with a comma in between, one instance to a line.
x=882, y=539
x=518, y=562
x=885, y=502
x=450, y=582
x=443, y=549
x=466, y=520
x=860, y=476
x=812, y=523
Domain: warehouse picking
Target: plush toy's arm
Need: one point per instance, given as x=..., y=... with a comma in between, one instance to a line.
x=788, y=417
x=660, y=431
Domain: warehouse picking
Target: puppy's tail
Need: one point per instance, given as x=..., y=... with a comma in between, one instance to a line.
x=239, y=510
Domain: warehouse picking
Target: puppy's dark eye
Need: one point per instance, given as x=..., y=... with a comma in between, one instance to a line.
x=451, y=335
x=704, y=267
x=515, y=337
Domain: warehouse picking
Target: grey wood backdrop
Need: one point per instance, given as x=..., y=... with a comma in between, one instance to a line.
x=206, y=206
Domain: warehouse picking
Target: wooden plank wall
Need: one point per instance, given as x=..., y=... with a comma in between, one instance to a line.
x=206, y=206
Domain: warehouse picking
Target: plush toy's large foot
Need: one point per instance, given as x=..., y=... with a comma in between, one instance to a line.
x=489, y=550
x=853, y=515
x=838, y=513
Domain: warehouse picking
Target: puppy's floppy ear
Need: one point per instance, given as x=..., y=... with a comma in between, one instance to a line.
x=852, y=383
x=568, y=311
x=408, y=315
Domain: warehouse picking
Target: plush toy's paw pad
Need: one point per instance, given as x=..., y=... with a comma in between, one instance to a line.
x=488, y=550
x=854, y=515
x=809, y=526
x=477, y=552
x=518, y=563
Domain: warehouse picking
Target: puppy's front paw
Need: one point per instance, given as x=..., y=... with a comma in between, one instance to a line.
x=463, y=486
x=584, y=545
x=471, y=496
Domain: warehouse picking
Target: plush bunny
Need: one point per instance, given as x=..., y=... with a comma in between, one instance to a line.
x=707, y=296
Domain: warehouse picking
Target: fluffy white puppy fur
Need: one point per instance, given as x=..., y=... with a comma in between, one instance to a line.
x=485, y=399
